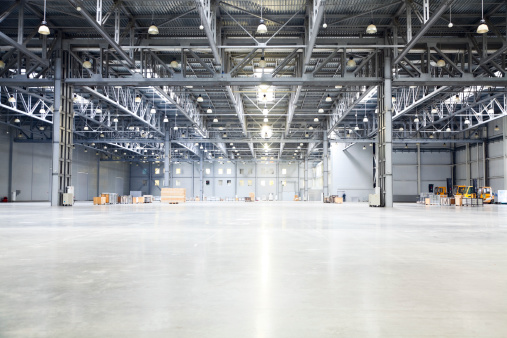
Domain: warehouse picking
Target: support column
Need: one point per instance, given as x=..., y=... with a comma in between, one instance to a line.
x=62, y=132
x=201, y=173
x=385, y=147
x=305, y=198
x=468, y=164
x=11, y=148
x=98, y=175
x=418, y=169
x=505, y=153
x=167, y=158
x=325, y=164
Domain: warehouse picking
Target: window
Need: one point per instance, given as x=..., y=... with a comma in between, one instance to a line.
x=250, y=171
x=284, y=183
x=157, y=171
x=208, y=171
x=241, y=183
x=145, y=171
x=229, y=182
x=178, y=171
x=207, y=182
x=263, y=183
x=220, y=171
x=220, y=182
x=272, y=171
x=241, y=171
x=229, y=171
x=271, y=182
x=177, y=183
x=157, y=183
x=284, y=171
x=249, y=183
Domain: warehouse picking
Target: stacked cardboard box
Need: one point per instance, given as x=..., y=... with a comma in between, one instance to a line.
x=173, y=195
x=99, y=200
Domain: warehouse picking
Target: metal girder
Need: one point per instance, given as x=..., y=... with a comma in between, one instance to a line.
x=325, y=61
x=318, y=9
x=186, y=105
x=441, y=10
x=8, y=11
x=237, y=102
x=293, y=100
x=284, y=63
x=201, y=61
x=30, y=103
x=124, y=99
x=344, y=106
x=101, y=31
x=249, y=57
x=23, y=49
x=408, y=103
x=209, y=22
x=162, y=63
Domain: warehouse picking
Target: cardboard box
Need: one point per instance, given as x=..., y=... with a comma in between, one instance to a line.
x=427, y=201
x=99, y=200
x=338, y=200
x=173, y=195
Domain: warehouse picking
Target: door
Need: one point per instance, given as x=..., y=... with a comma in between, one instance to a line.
x=288, y=190
x=81, y=187
x=119, y=186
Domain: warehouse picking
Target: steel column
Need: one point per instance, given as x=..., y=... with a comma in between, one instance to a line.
x=386, y=135
x=418, y=169
x=201, y=173
x=325, y=164
x=305, y=197
x=505, y=153
x=167, y=158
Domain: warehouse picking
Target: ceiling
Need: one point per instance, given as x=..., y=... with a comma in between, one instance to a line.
x=323, y=75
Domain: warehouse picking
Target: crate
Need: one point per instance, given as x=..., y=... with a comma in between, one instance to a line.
x=170, y=195
x=99, y=200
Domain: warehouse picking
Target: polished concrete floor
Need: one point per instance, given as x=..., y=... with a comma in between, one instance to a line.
x=264, y=269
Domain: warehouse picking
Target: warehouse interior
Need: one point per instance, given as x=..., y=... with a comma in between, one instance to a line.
x=370, y=105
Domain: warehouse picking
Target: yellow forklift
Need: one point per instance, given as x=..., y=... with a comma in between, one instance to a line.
x=458, y=190
x=469, y=192
x=440, y=191
x=486, y=194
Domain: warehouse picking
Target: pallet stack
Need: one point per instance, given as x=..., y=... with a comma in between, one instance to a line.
x=173, y=195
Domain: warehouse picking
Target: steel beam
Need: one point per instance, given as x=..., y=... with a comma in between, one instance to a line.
x=203, y=7
x=23, y=50
x=318, y=9
x=436, y=15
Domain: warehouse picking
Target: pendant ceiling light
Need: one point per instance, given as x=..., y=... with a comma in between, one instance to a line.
x=467, y=121
x=153, y=30
x=199, y=98
x=137, y=99
x=264, y=98
x=215, y=120
x=328, y=98
x=98, y=110
x=351, y=63
x=174, y=64
x=16, y=120
x=448, y=129
x=324, y=25
x=265, y=111
x=321, y=110
x=393, y=99
x=401, y=129
x=440, y=63
x=262, y=62
x=365, y=119
x=115, y=120
x=262, y=29
x=483, y=28
x=85, y=128
x=338, y=87
x=356, y=128
x=11, y=99
x=416, y=120
x=364, y=147
x=209, y=110
x=87, y=64
x=316, y=119
x=224, y=135
x=153, y=110
x=497, y=128
x=433, y=110
x=43, y=28
x=266, y=120
x=2, y=64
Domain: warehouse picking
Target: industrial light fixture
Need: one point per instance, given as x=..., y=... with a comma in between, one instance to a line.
x=321, y=110
x=324, y=25
x=98, y=110
x=457, y=99
x=115, y=120
x=137, y=99
x=356, y=128
x=448, y=129
x=201, y=147
x=262, y=62
x=328, y=98
x=101, y=135
x=209, y=111
x=87, y=64
x=401, y=129
x=440, y=63
x=371, y=29
x=93, y=144
x=199, y=98
x=43, y=28
x=371, y=144
x=393, y=99
x=365, y=118
x=215, y=120
x=364, y=147
x=262, y=29
x=431, y=136
x=175, y=128
x=433, y=110
x=86, y=150
x=351, y=63
x=338, y=87
x=406, y=145
x=153, y=110
x=265, y=111
x=483, y=28
x=264, y=98
x=11, y=99
x=467, y=121
x=42, y=111
x=2, y=64
x=85, y=128
x=225, y=135
x=316, y=119
x=16, y=120
x=266, y=120
x=416, y=120
x=174, y=63
x=153, y=30
x=497, y=128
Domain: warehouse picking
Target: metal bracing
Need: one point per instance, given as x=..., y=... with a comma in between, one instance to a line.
x=284, y=62
x=27, y=104
x=315, y=20
x=208, y=20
